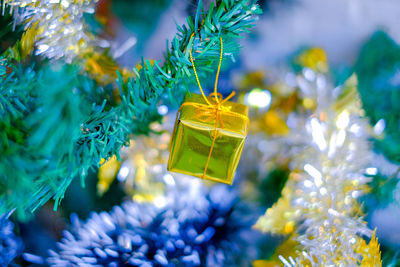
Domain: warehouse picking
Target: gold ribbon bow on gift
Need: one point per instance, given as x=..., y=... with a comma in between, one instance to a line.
x=213, y=109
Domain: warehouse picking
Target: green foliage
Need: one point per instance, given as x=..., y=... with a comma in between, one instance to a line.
x=271, y=187
x=381, y=193
x=51, y=132
x=228, y=20
x=378, y=71
x=57, y=125
x=41, y=117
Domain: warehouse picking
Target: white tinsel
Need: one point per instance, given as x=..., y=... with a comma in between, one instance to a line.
x=331, y=153
x=61, y=31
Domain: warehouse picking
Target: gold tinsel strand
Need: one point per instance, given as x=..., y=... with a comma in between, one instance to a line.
x=371, y=254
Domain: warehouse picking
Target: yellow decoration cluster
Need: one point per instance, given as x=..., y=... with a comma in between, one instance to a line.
x=313, y=58
x=140, y=169
x=274, y=124
x=102, y=67
x=281, y=217
x=145, y=158
x=371, y=254
x=107, y=173
x=285, y=99
x=287, y=249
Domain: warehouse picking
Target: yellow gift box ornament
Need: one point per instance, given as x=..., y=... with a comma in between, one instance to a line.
x=209, y=135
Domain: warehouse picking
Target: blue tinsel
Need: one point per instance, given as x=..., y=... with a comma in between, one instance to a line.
x=10, y=244
x=194, y=229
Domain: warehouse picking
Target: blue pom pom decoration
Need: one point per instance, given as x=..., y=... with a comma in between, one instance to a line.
x=193, y=228
x=10, y=244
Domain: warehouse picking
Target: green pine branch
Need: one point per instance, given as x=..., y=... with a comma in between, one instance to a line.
x=227, y=19
x=54, y=127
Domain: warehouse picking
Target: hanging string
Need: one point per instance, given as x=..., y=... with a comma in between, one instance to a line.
x=210, y=111
x=216, y=107
x=218, y=97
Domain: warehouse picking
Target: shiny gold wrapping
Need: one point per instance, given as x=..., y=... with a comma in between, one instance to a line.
x=194, y=137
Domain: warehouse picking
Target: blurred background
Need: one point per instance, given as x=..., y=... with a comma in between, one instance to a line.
x=288, y=70
x=339, y=27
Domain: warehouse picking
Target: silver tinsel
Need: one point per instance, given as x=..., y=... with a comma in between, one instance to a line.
x=60, y=30
x=331, y=153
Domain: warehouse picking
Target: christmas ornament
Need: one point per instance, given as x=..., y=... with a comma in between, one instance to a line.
x=40, y=164
x=194, y=227
x=209, y=135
